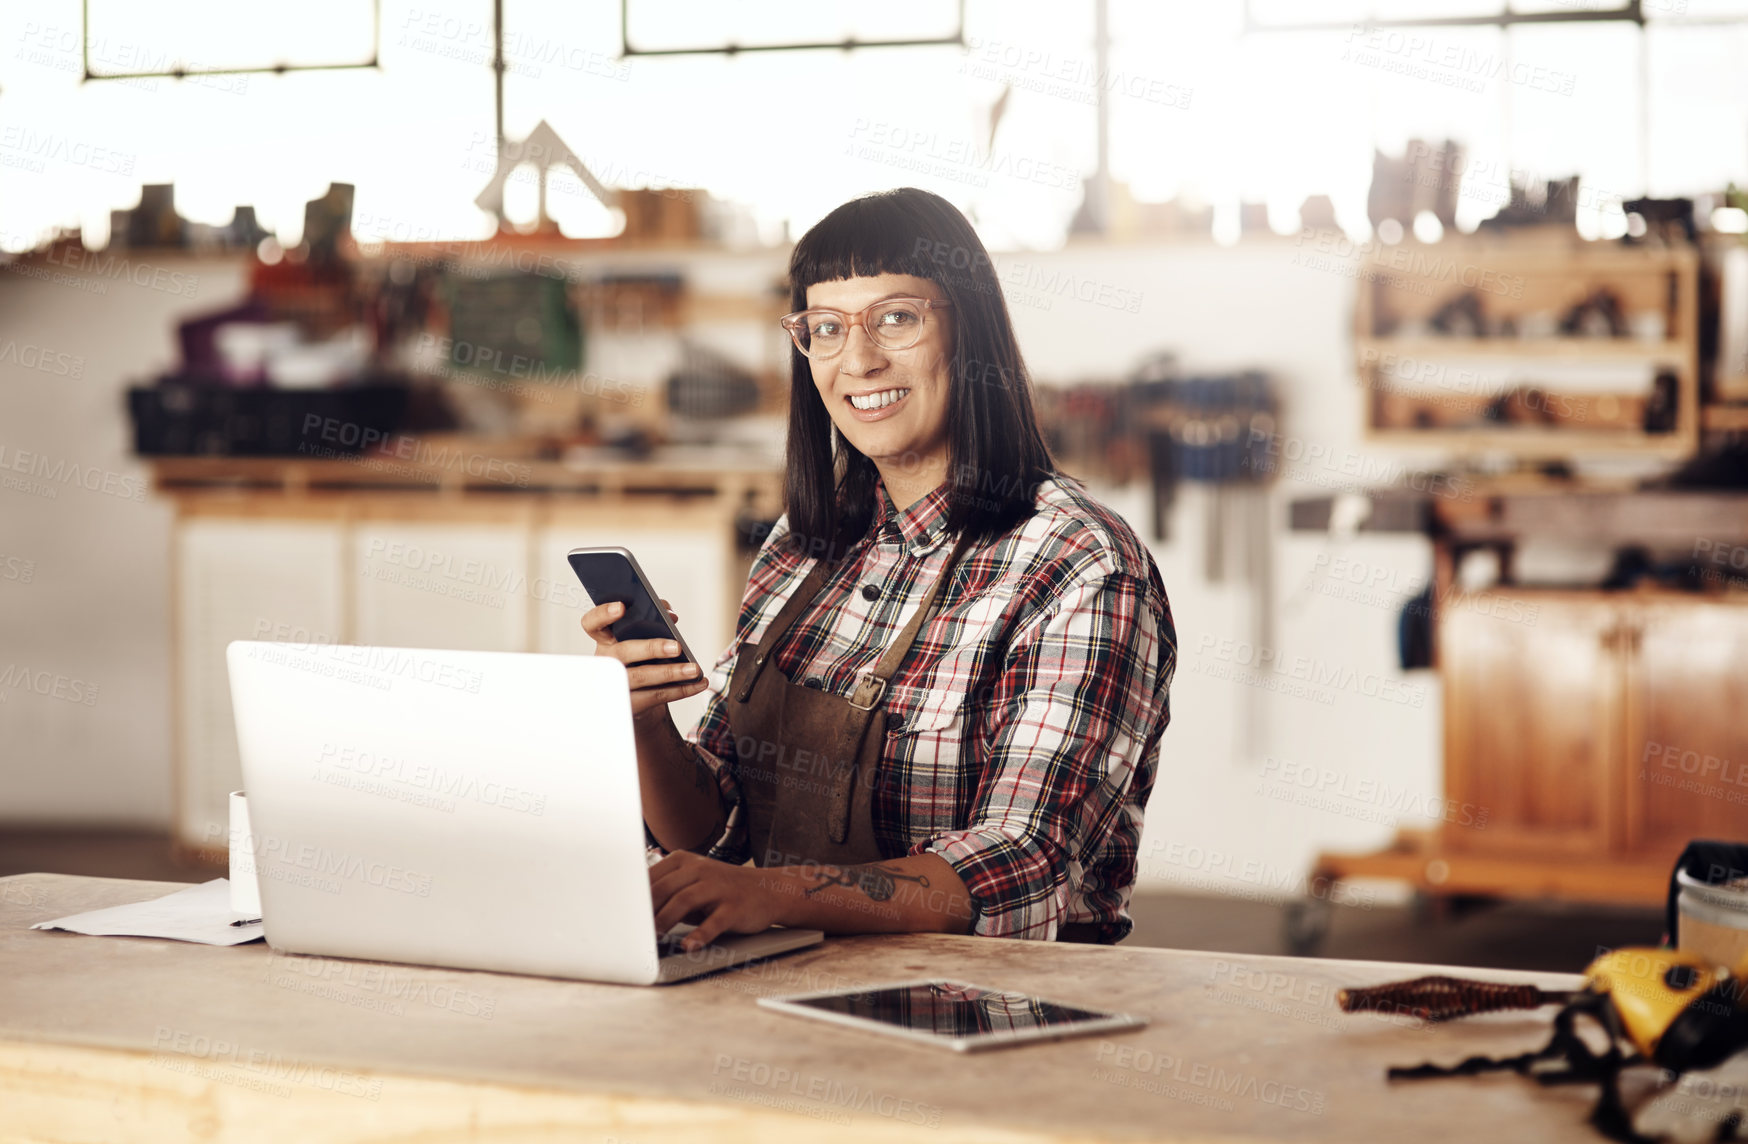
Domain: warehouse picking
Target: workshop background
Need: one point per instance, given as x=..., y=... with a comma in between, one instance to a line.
x=1411, y=334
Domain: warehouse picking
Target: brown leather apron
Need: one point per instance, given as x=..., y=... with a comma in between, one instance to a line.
x=809, y=762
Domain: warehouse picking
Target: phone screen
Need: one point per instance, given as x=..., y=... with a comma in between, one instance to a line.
x=609, y=578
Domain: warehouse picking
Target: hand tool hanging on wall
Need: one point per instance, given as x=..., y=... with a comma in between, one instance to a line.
x=1215, y=432
x=1219, y=432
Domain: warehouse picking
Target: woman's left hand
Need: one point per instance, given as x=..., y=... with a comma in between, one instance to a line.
x=717, y=897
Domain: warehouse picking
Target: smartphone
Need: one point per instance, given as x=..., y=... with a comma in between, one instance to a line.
x=611, y=576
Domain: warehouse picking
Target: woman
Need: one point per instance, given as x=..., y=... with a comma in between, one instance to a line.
x=943, y=708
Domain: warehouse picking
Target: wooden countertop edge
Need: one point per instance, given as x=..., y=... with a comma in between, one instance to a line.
x=54, y=1092
x=483, y=477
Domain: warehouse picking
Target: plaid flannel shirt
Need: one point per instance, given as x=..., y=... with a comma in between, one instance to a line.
x=1022, y=731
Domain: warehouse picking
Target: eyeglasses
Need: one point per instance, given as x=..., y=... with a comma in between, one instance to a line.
x=892, y=324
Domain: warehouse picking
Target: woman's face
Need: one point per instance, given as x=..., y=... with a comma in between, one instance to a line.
x=890, y=404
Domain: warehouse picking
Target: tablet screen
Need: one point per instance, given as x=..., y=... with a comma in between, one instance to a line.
x=949, y=1009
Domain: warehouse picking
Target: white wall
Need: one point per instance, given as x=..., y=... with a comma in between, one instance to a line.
x=95, y=609
x=91, y=625
x=1222, y=817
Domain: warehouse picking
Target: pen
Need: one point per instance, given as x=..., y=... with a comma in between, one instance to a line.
x=247, y=922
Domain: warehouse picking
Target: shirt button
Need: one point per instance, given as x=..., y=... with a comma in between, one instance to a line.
x=894, y=723
x=814, y=682
x=870, y=591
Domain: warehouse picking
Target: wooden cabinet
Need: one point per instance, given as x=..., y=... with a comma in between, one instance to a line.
x=463, y=585
x=1607, y=730
x=239, y=579
x=1531, y=722
x=486, y=575
x=1588, y=737
x=1685, y=723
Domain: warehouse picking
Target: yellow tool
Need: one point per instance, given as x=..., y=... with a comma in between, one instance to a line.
x=1679, y=1011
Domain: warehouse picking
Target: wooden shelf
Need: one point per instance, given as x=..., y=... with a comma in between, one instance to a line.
x=548, y=243
x=1535, y=441
x=1618, y=517
x=1558, y=349
x=1418, y=859
x=483, y=475
x=1513, y=281
x=1724, y=418
x=760, y=308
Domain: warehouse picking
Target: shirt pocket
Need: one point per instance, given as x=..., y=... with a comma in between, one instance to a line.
x=916, y=713
x=924, y=759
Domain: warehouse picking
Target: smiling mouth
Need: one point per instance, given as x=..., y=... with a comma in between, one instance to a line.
x=877, y=400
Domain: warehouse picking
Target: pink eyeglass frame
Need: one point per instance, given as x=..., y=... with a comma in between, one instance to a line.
x=851, y=321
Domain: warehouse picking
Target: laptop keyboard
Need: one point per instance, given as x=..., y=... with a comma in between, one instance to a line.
x=668, y=945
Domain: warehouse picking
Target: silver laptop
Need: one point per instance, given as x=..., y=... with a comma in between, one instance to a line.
x=469, y=809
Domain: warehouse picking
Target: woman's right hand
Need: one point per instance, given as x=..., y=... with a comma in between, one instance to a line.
x=653, y=685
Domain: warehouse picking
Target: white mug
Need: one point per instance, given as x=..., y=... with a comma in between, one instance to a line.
x=245, y=890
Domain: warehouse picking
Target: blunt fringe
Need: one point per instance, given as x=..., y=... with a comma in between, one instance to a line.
x=997, y=456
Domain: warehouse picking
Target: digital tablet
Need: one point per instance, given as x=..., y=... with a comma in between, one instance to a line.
x=952, y=1014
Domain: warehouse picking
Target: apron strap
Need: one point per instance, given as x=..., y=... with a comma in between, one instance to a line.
x=871, y=688
x=784, y=620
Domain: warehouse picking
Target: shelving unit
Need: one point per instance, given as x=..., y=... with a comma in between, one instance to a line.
x=630, y=290
x=1529, y=281
x=1555, y=775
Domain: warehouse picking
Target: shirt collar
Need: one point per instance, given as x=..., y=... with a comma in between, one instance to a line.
x=921, y=526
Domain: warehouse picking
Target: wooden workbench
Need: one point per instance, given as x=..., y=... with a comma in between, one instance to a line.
x=107, y=1039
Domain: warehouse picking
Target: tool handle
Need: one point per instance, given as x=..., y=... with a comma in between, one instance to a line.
x=1442, y=998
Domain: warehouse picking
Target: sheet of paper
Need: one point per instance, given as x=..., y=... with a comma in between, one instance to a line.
x=200, y=913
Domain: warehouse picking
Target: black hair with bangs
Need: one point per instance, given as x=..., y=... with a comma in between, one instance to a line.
x=997, y=456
